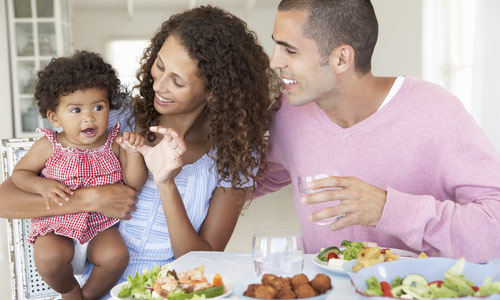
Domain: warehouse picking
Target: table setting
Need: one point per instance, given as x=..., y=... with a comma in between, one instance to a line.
x=281, y=253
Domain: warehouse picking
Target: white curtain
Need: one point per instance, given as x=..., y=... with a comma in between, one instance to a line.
x=461, y=51
x=485, y=90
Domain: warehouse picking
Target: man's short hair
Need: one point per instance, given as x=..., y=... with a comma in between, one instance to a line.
x=332, y=23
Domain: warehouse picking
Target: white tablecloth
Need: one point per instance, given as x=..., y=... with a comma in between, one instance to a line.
x=239, y=266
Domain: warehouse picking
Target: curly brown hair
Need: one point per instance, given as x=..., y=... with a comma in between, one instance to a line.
x=236, y=72
x=81, y=71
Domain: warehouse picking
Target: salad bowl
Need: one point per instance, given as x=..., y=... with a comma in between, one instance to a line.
x=432, y=269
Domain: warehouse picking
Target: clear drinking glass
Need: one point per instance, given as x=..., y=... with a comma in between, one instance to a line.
x=278, y=252
x=311, y=208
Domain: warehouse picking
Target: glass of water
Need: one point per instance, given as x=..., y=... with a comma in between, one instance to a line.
x=278, y=252
x=302, y=181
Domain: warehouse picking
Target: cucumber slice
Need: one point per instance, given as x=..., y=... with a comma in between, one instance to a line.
x=209, y=293
x=323, y=255
x=414, y=279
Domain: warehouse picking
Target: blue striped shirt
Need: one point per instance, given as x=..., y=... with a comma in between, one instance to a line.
x=146, y=233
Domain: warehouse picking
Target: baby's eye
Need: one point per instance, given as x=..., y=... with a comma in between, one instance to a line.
x=75, y=110
x=98, y=108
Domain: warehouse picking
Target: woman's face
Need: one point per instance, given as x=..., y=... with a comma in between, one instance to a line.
x=178, y=89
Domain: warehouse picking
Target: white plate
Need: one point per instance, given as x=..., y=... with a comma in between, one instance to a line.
x=341, y=270
x=324, y=265
x=117, y=288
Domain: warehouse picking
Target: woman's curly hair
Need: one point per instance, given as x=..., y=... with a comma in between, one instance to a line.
x=81, y=71
x=236, y=73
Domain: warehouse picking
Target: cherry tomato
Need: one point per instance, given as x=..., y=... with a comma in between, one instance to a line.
x=475, y=288
x=332, y=255
x=438, y=282
x=386, y=289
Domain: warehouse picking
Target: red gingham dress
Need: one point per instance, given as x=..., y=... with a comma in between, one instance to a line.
x=78, y=168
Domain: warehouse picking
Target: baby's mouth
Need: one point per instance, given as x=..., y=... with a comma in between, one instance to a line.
x=89, y=132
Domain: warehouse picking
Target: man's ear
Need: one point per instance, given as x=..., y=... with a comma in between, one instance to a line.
x=52, y=117
x=342, y=58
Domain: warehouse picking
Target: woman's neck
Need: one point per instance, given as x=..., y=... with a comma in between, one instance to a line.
x=191, y=126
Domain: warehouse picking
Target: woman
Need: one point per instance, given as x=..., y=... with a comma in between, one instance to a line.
x=206, y=86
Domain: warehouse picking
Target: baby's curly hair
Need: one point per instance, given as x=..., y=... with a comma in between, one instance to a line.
x=236, y=72
x=81, y=71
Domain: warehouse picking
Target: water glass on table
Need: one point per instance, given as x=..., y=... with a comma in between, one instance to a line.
x=278, y=252
x=304, y=190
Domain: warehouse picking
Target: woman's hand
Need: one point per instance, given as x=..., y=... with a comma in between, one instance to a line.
x=113, y=200
x=164, y=159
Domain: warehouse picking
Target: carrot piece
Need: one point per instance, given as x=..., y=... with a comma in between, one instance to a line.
x=217, y=281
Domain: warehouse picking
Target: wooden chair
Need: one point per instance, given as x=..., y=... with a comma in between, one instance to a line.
x=26, y=283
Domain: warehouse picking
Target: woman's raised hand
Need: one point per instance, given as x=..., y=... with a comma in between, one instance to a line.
x=164, y=159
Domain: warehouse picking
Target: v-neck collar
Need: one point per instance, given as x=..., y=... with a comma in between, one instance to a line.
x=323, y=117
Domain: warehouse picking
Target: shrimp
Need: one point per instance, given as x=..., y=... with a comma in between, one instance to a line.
x=163, y=286
x=193, y=280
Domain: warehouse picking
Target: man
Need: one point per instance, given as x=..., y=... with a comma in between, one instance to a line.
x=418, y=173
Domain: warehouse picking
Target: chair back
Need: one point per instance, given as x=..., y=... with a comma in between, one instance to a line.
x=26, y=283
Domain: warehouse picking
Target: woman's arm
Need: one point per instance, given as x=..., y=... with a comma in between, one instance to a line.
x=115, y=200
x=223, y=213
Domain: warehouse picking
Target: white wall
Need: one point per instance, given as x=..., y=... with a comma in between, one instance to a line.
x=399, y=47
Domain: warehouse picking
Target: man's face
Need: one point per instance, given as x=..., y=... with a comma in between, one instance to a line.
x=298, y=60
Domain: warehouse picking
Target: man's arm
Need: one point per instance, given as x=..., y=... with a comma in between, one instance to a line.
x=116, y=200
x=275, y=178
x=465, y=222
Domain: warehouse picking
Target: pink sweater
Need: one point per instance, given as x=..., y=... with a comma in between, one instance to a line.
x=441, y=174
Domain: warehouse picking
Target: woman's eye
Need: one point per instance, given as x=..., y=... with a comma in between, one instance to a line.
x=159, y=65
x=177, y=83
x=290, y=51
x=75, y=110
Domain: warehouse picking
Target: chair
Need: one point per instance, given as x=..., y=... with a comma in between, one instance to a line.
x=26, y=283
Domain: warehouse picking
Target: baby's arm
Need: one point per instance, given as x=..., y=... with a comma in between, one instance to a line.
x=26, y=175
x=134, y=169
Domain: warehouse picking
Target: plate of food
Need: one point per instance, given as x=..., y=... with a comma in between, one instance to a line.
x=430, y=278
x=334, y=259
x=164, y=282
x=272, y=286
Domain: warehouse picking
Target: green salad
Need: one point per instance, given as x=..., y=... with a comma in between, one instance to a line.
x=415, y=286
x=350, y=252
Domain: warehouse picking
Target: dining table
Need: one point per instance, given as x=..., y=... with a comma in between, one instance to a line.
x=237, y=267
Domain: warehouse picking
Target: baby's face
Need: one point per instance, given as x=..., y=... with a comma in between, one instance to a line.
x=83, y=116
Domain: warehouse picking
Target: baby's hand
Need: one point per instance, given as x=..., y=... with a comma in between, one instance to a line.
x=53, y=191
x=130, y=141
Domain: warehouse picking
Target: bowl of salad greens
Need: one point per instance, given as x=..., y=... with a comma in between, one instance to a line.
x=429, y=278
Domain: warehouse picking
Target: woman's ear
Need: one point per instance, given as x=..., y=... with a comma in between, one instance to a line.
x=52, y=117
x=342, y=58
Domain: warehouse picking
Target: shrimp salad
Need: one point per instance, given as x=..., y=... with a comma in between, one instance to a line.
x=165, y=283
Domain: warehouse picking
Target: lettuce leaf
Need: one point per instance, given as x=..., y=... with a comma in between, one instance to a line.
x=140, y=286
x=374, y=288
x=488, y=288
x=454, y=280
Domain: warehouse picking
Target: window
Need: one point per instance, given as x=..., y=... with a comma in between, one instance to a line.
x=124, y=56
